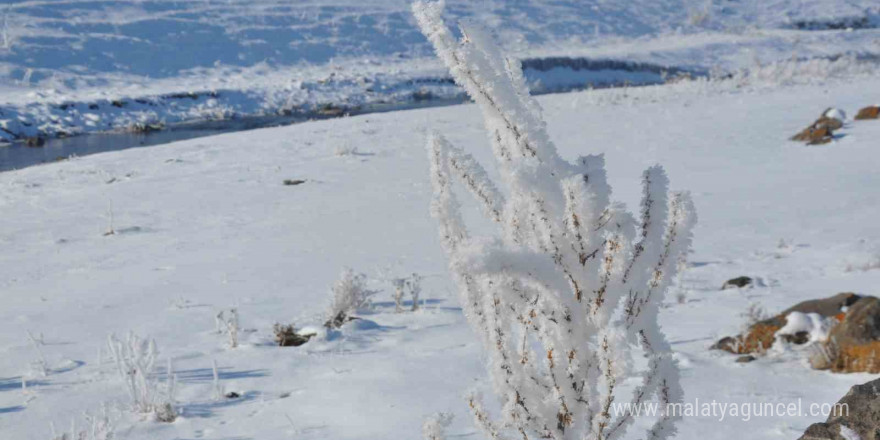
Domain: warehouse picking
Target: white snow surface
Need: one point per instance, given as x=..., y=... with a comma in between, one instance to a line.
x=269, y=56
x=82, y=41
x=206, y=224
x=848, y=433
x=836, y=113
x=813, y=323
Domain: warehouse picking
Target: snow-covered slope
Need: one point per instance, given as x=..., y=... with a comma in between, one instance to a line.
x=268, y=56
x=205, y=225
x=160, y=38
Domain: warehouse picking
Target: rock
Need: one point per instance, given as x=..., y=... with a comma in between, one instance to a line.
x=854, y=344
x=814, y=135
x=758, y=338
x=798, y=338
x=146, y=127
x=287, y=336
x=861, y=324
x=870, y=112
x=822, y=130
x=803, y=135
x=858, y=412
x=826, y=307
x=338, y=320
x=330, y=110
x=761, y=335
x=232, y=395
x=737, y=282
x=821, y=136
x=183, y=95
x=422, y=95
x=820, y=359
x=829, y=123
x=34, y=142
x=745, y=359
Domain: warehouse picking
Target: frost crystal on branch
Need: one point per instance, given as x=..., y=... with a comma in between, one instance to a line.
x=568, y=292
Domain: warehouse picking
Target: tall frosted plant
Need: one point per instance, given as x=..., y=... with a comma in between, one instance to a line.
x=567, y=293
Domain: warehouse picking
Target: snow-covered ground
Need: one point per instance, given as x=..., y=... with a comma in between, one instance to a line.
x=207, y=224
x=64, y=63
x=90, y=42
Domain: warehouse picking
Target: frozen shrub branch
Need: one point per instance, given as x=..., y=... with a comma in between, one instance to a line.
x=232, y=327
x=40, y=365
x=568, y=291
x=97, y=427
x=435, y=426
x=399, y=292
x=350, y=294
x=403, y=286
x=135, y=359
x=218, y=388
x=228, y=324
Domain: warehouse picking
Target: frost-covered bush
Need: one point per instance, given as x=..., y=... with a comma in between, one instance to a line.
x=229, y=325
x=399, y=293
x=135, y=359
x=754, y=314
x=403, y=286
x=97, y=427
x=350, y=294
x=218, y=389
x=40, y=365
x=7, y=37
x=799, y=71
x=435, y=426
x=752, y=317
x=415, y=289
x=871, y=263
x=568, y=291
x=345, y=150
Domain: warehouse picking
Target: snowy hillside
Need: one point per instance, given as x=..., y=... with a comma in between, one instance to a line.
x=72, y=66
x=161, y=38
x=290, y=282
x=206, y=225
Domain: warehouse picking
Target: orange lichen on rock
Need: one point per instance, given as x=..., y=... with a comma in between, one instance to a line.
x=758, y=339
x=871, y=112
x=861, y=358
x=854, y=343
x=821, y=131
x=760, y=335
x=814, y=135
